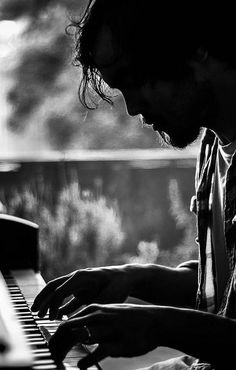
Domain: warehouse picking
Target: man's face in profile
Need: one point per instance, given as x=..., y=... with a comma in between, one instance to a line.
x=176, y=109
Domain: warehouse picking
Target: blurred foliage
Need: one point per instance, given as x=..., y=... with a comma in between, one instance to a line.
x=44, y=84
x=184, y=250
x=80, y=230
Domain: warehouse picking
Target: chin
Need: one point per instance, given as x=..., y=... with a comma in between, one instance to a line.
x=180, y=140
x=178, y=135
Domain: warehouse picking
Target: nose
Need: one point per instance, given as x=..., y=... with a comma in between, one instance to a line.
x=132, y=111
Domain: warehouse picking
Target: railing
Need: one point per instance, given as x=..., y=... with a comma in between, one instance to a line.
x=163, y=157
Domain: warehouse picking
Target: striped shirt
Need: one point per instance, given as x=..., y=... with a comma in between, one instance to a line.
x=202, y=205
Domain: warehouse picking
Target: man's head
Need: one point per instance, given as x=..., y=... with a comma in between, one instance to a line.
x=155, y=53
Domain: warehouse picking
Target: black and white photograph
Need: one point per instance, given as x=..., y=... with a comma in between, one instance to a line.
x=117, y=185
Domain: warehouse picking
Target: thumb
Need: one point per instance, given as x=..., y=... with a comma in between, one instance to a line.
x=93, y=358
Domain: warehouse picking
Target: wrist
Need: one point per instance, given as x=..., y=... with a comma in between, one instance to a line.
x=127, y=274
x=137, y=277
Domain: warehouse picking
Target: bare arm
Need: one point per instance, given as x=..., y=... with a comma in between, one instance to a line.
x=203, y=335
x=155, y=284
x=164, y=285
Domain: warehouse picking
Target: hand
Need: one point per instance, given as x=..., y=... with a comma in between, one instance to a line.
x=96, y=285
x=120, y=330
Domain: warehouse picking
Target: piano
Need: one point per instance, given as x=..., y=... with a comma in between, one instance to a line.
x=24, y=336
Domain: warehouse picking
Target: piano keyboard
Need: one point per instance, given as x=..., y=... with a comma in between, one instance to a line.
x=23, y=286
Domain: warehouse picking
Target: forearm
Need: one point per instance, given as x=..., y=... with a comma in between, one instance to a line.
x=199, y=334
x=163, y=285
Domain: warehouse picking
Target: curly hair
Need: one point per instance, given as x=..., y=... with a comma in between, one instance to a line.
x=158, y=39
x=91, y=77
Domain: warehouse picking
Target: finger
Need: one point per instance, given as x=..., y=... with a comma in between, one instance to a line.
x=81, y=299
x=68, y=308
x=76, y=331
x=90, y=329
x=93, y=358
x=92, y=334
x=61, y=342
x=73, y=285
x=58, y=296
x=42, y=297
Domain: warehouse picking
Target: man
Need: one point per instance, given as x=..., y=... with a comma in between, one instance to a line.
x=175, y=66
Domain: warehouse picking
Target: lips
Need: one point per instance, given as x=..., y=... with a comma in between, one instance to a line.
x=158, y=123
